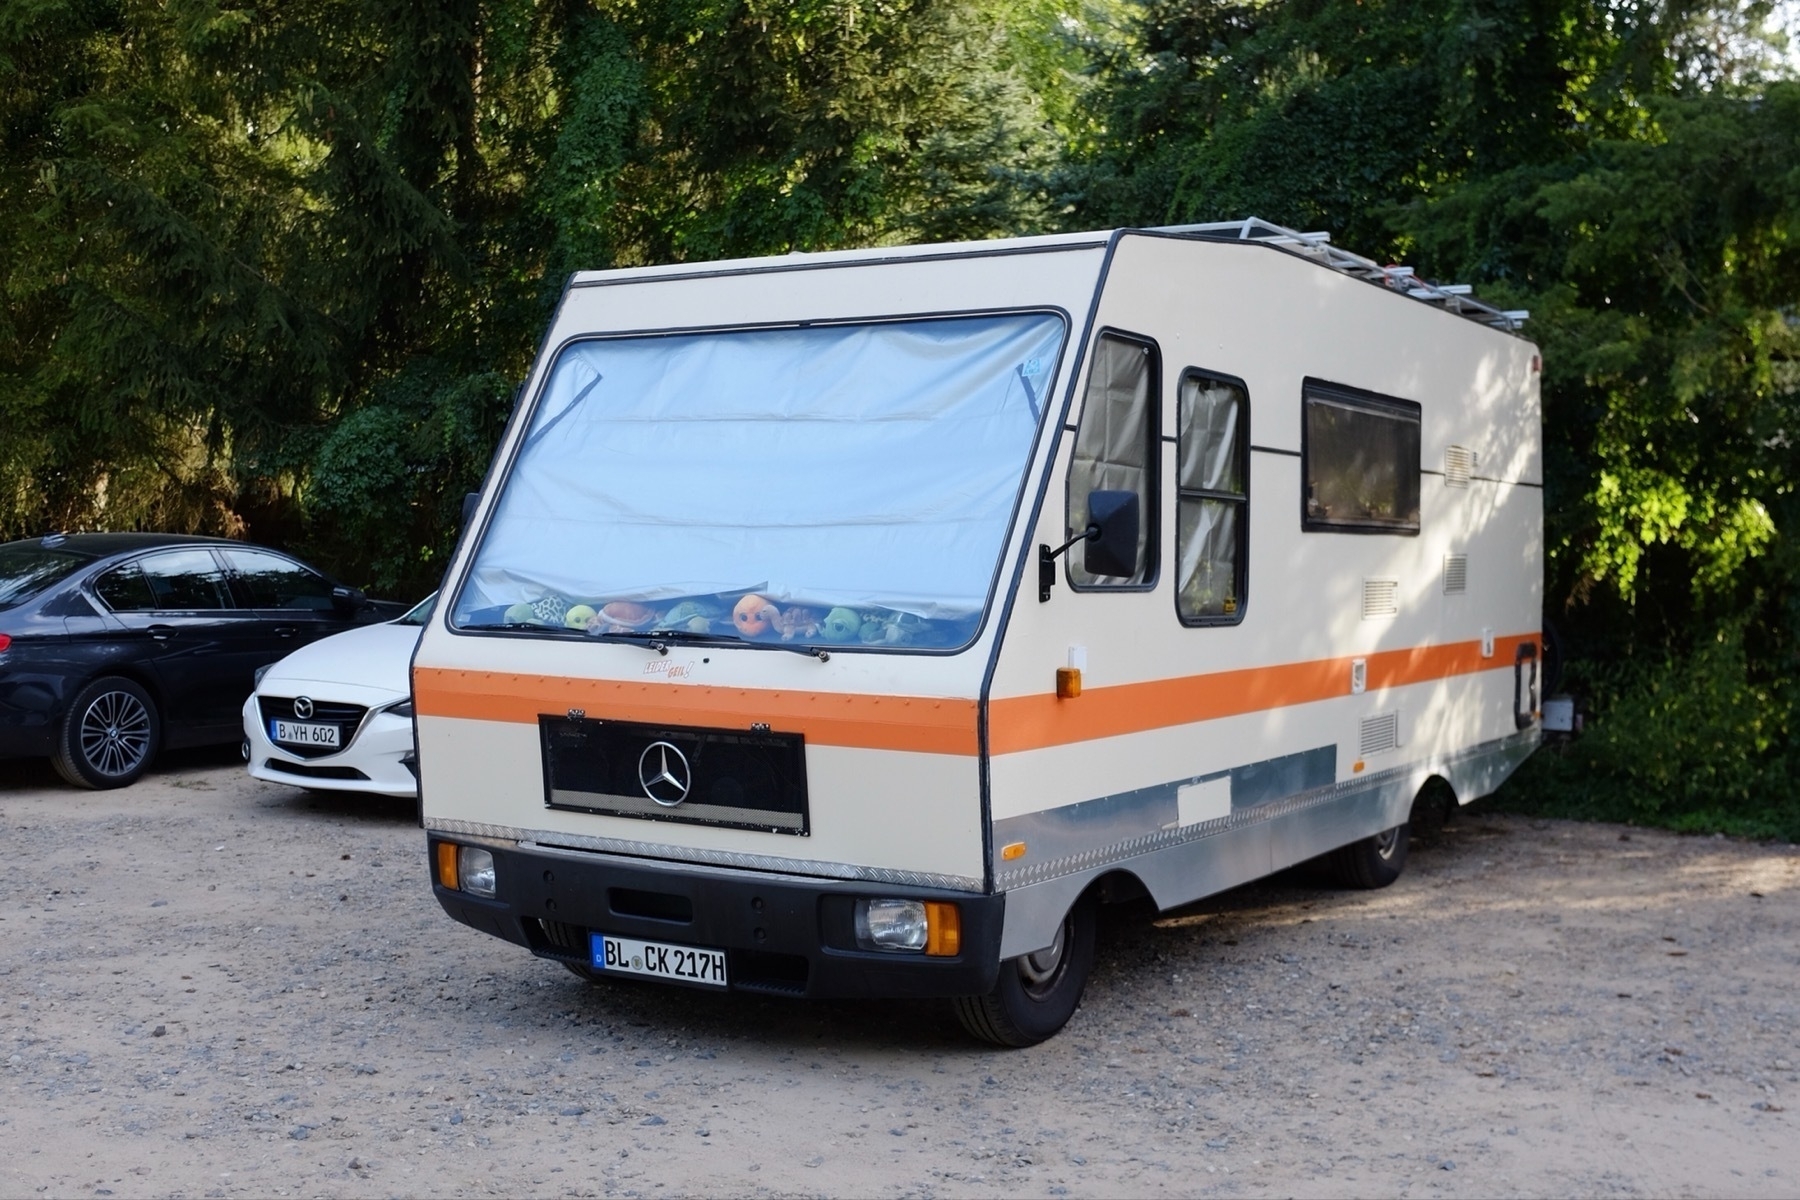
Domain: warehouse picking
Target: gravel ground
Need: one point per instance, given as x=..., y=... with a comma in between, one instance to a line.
x=219, y=987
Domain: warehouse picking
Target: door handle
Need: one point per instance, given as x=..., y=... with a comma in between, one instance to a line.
x=286, y=631
x=162, y=633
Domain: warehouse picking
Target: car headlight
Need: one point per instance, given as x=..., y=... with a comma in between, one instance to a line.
x=465, y=869
x=402, y=708
x=932, y=927
x=260, y=672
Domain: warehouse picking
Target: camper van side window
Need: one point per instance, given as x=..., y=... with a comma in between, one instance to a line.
x=1359, y=461
x=1211, y=525
x=1115, y=450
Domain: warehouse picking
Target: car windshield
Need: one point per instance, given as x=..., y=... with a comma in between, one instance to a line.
x=27, y=568
x=846, y=484
x=419, y=613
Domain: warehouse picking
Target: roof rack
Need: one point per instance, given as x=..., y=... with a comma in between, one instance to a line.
x=1455, y=297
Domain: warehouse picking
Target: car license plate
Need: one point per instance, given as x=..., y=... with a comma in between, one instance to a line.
x=301, y=734
x=685, y=964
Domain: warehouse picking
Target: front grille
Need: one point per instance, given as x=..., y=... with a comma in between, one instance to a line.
x=558, y=940
x=308, y=771
x=761, y=971
x=347, y=717
x=741, y=779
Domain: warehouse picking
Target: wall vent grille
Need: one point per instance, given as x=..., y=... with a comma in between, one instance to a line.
x=1459, y=464
x=1380, y=734
x=1381, y=598
x=1456, y=574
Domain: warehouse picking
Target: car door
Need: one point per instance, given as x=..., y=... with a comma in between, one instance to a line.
x=293, y=603
x=197, y=644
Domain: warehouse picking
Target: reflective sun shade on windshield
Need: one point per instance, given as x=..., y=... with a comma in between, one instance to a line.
x=839, y=484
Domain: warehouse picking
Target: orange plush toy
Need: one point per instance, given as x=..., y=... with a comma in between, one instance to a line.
x=753, y=615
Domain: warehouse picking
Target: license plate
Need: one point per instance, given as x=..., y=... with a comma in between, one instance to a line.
x=685, y=964
x=301, y=734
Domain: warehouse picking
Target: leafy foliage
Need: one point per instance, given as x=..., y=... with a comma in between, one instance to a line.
x=243, y=244
x=275, y=269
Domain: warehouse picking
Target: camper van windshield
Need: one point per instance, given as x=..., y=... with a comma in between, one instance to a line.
x=830, y=485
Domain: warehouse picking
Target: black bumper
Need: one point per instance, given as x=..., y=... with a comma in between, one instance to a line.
x=780, y=935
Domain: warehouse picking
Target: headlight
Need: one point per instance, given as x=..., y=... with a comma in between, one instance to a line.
x=891, y=924
x=260, y=672
x=475, y=870
x=403, y=709
x=910, y=926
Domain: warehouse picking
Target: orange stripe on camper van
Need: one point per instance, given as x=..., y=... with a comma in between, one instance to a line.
x=932, y=726
x=1035, y=722
x=938, y=726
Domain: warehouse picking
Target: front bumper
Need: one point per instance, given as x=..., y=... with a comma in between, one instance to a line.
x=379, y=759
x=782, y=934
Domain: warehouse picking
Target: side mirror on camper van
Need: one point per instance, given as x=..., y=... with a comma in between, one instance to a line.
x=1112, y=534
x=1111, y=539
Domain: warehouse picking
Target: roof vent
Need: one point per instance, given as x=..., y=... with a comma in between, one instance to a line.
x=1381, y=598
x=1380, y=733
x=1459, y=464
x=1456, y=574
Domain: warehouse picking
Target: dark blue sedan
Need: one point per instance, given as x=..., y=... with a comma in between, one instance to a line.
x=116, y=645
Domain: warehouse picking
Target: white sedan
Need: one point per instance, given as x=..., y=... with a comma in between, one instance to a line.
x=337, y=714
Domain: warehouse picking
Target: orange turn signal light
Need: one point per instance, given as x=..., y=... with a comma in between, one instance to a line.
x=1068, y=682
x=1011, y=851
x=943, y=929
x=446, y=864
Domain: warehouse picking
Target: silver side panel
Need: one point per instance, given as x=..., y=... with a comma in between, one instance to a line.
x=1181, y=864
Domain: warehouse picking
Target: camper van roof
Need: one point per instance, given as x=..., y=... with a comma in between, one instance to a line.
x=1454, y=298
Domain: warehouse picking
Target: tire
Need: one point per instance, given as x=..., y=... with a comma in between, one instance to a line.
x=1373, y=862
x=109, y=736
x=1036, y=994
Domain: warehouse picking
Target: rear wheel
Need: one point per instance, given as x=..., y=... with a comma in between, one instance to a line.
x=1373, y=862
x=1036, y=993
x=109, y=735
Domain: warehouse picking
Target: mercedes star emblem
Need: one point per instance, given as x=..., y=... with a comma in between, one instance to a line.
x=664, y=774
x=303, y=707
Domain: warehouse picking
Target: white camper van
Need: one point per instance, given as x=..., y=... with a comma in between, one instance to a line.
x=855, y=624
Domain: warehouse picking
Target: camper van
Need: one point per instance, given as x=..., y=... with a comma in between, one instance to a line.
x=857, y=624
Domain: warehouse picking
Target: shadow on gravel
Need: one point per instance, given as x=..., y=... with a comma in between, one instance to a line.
x=1133, y=938
x=360, y=806
x=20, y=774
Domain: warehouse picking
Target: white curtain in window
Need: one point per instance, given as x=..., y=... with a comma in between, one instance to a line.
x=1112, y=446
x=1208, y=541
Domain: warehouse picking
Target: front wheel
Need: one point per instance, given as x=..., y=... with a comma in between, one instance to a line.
x=1036, y=993
x=1373, y=862
x=108, y=736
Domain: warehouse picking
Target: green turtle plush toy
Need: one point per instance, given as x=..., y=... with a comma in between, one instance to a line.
x=841, y=625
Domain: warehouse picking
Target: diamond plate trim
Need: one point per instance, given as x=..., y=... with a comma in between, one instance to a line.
x=687, y=855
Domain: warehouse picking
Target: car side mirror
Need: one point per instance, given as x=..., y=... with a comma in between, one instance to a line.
x=348, y=599
x=1112, y=534
x=471, y=502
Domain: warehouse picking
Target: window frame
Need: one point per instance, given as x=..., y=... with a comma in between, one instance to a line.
x=239, y=584
x=1380, y=405
x=1152, y=512
x=1243, y=501
x=532, y=392
x=139, y=561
